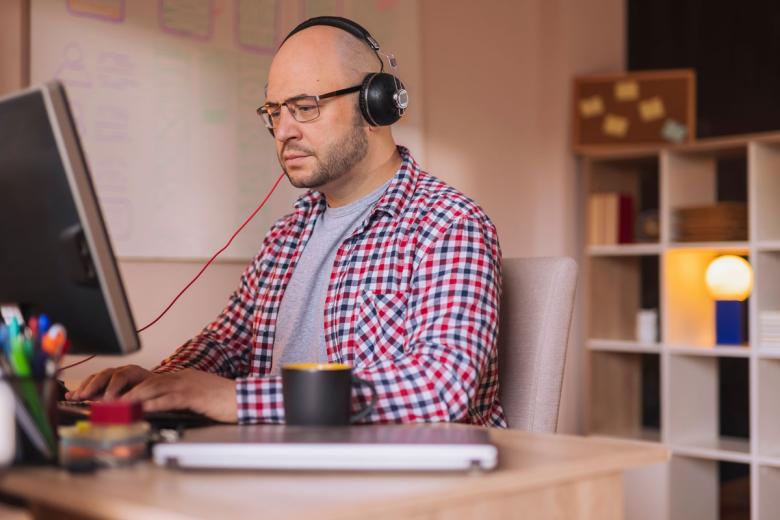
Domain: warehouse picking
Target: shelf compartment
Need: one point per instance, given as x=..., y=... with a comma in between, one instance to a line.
x=612, y=345
x=702, y=489
x=624, y=285
x=639, y=179
x=768, y=416
x=690, y=307
x=625, y=395
x=699, y=179
x=765, y=191
x=709, y=403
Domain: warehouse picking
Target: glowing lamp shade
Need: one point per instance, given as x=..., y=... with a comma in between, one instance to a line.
x=729, y=277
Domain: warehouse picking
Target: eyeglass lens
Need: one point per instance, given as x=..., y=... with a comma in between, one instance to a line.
x=302, y=109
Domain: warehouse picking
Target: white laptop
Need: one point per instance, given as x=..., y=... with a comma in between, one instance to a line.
x=371, y=447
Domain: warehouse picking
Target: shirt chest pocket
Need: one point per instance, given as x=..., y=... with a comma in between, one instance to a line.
x=378, y=327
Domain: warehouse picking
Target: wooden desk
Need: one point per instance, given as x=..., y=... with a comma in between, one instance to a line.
x=539, y=476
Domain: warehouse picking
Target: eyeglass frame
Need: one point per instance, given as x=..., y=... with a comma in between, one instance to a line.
x=264, y=108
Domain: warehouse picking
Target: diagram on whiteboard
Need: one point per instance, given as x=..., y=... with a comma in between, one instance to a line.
x=164, y=94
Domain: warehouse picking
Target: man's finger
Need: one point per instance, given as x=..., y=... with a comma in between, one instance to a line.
x=116, y=385
x=83, y=385
x=72, y=394
x=95, y=385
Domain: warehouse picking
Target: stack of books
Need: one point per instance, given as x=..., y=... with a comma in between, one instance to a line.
x=769, y=329
x=719, y=222
x=610, y=219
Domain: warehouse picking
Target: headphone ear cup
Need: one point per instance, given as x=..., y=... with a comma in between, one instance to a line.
x=382, y=99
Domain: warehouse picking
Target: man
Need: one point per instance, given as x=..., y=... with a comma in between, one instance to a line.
x=380, y=266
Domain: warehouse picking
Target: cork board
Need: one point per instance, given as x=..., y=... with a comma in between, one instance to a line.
x=653, y=107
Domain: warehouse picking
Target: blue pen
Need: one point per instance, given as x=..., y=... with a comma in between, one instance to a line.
x=5, y=341
x=43, y=325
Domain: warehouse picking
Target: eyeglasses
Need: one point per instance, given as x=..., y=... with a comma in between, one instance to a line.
x=302, y=108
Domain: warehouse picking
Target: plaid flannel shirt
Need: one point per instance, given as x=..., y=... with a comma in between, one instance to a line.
x=412, y=305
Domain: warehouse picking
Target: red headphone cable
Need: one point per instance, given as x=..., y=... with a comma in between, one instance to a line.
x=202, y=270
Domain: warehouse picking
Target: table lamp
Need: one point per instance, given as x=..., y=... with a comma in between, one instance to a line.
x=730, y=280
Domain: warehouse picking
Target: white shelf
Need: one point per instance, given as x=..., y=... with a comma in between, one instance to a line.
x=769, y=353
x=719, y=246
x=715, y=351
x=770, y=461
x=768, y=245
x=625, y=250
x=724, y=448
x=615, y=345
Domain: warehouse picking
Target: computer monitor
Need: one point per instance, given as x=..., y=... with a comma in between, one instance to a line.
x=55, y=253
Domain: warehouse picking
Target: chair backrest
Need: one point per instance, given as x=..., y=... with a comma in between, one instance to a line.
x=536, y=309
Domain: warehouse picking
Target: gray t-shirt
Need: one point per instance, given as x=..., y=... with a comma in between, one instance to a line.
x=300, y=325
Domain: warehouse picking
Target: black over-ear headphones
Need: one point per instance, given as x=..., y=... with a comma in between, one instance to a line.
x=383, y=98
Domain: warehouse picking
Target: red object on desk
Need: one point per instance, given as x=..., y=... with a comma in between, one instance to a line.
x=115, y=412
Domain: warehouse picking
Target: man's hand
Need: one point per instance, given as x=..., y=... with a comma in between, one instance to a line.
x=109, y=383
x=187, y=389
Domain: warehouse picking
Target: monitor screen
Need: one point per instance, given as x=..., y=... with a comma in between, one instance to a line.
x=55, y=253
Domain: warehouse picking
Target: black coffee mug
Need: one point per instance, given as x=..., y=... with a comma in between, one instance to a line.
x=320, y=394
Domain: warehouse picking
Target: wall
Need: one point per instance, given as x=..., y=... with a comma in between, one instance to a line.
x=496, y=79
x=14, y=45
x=497, y=99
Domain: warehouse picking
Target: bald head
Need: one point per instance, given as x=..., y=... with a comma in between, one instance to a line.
x=325, y=52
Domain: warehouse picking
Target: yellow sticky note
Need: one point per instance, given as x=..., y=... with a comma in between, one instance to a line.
x=592, y=106
x=627, y=90
x=652, y=109
x=614, y=125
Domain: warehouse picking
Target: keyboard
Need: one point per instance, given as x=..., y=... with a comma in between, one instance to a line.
x=69, y=412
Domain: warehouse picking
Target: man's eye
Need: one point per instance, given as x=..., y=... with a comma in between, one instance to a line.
x=275, y=112
x=307, y=108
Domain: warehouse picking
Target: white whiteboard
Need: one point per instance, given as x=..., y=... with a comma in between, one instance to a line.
x=164, y=95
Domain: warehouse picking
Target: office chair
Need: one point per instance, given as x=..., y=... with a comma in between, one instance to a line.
x=536, y=308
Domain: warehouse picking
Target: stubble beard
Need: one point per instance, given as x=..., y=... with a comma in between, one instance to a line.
x=337, y=160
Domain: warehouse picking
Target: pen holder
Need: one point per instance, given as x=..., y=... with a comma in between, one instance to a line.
x=35, y=411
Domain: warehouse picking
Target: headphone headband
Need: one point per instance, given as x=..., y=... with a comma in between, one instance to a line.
x=345, y=24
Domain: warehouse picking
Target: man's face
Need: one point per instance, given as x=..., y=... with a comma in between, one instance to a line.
x=317, y=152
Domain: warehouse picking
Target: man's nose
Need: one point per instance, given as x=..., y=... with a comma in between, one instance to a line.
x=287, y=127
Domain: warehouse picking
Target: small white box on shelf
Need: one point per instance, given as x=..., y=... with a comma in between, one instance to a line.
x=769, y=329
x=647, y=326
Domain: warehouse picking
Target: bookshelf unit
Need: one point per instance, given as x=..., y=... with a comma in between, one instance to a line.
x=714, y=406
